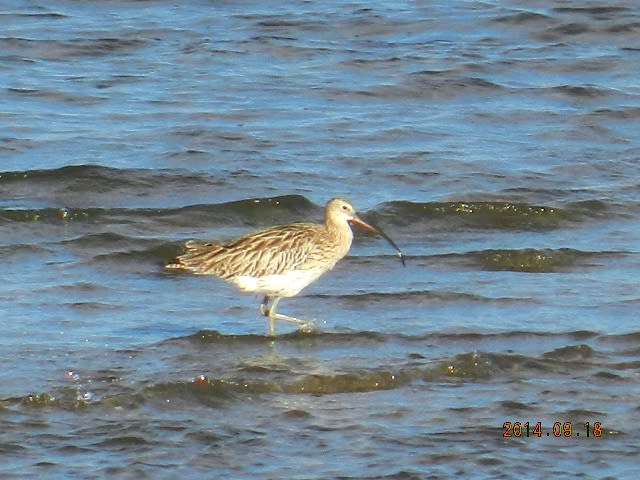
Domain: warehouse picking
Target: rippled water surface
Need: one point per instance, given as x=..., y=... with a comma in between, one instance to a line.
x=496, y=142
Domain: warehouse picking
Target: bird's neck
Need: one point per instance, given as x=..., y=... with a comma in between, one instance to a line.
x=341, y=233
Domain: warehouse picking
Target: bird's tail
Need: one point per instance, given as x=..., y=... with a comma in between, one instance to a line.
x=190, y=260
x=175, y=265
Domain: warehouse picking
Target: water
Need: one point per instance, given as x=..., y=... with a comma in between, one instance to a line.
x=496, y=142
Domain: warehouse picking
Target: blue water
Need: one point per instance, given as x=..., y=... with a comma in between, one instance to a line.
x=495, y=142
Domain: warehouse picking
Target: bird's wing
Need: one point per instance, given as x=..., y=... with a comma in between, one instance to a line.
x=267, y=252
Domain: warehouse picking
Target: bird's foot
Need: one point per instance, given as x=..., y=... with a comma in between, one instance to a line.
x=304, y=326
x=307, y=326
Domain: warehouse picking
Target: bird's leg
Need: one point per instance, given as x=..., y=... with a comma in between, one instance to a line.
x=263, y=306
x=268, y=309
x=265, y=310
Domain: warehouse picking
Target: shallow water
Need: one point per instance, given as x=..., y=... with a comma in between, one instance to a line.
x=495, y=142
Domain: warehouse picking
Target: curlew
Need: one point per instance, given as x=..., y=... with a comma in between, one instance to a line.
x=280, y=261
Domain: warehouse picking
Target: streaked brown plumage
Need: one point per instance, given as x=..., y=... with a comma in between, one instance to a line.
x=279, y=261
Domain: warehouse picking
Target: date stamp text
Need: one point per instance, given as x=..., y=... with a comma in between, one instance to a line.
x=558, y=429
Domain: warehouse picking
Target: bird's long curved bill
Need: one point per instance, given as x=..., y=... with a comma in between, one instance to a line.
x=362, y=224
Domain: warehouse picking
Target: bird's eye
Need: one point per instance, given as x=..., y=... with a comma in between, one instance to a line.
x=345, y=208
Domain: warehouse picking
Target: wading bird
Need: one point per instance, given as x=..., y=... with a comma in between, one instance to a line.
x=279, y=261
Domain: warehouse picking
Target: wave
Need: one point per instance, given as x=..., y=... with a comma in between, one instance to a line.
x=103, y=194
x=238, y=374
x=64, y=50
x=534, y=260
x=491, y=214
x=247, y=211
x=98, y=178
x=288, y=208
